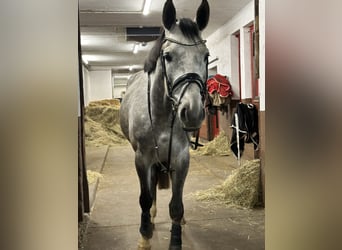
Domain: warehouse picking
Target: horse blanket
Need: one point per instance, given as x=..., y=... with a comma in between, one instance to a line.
x=248, y=128
x=219, y=89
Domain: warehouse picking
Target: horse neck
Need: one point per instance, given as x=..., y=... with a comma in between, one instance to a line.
x=159, y=98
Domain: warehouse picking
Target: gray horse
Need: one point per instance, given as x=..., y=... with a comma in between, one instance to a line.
x=161, y=106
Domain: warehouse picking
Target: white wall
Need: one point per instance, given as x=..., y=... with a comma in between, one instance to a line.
x=224, y=45
x=100, y=85
x=245, y=63
x=118, y=88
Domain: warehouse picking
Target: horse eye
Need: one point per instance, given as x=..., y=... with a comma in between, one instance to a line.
x=167, y=57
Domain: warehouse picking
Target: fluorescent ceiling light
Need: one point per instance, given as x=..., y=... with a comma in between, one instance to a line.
x=146, y=9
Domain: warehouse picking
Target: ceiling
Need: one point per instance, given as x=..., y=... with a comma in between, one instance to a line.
x=106, y=43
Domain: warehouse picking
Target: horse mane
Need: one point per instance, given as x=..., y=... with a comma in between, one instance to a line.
x=189, y=29
x=151, y=60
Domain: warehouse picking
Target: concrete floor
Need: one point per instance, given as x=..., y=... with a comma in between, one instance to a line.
x=115, y=217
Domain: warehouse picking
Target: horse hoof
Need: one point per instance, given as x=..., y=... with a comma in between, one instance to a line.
x=144, y=244
x=144, y=248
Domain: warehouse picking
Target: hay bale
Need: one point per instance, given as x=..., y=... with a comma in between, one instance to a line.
x=102, y=123
x=241, y=188
x=217, y=147
x=106, y=102
x=106, y=112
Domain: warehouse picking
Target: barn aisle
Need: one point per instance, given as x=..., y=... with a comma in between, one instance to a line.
x=115, y=216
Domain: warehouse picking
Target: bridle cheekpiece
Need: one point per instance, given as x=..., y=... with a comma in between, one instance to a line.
x=184, y=80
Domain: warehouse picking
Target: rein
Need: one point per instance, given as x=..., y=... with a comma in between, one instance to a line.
x=183, y=81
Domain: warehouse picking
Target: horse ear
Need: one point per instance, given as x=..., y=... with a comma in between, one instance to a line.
x=202, y=17
x=169, y=14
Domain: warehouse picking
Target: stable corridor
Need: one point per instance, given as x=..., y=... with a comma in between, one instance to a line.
x=115, y=217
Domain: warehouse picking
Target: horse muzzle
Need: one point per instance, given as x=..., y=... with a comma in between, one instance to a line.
x=191, y=118
x=189, y=100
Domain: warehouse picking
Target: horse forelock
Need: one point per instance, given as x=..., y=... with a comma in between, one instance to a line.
x=189, y=30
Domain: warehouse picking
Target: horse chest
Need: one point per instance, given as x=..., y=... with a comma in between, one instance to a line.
x=163, y=139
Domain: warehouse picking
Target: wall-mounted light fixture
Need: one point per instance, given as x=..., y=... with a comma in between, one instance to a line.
x=146, y=9
x=135, y=48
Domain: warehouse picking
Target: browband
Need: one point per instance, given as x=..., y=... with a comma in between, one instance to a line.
x=184, y=44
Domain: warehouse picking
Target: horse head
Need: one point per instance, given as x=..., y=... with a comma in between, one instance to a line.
x=184, y=59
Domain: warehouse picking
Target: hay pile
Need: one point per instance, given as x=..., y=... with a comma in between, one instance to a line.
x=241, y=188
x=92, y=176
x=102, y=123
x=217, y=147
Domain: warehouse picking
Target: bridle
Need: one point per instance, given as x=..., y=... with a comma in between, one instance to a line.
x=183, y=81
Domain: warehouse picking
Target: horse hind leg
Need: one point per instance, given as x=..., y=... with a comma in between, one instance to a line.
x=154, y=180
x=146, y=231
x=153, y=212
x=146, y=227
x=163, y=179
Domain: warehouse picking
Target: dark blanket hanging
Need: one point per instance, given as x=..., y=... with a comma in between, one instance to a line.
x=248, y=128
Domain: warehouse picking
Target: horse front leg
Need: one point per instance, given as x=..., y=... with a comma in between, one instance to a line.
x=145, y=201
x=176, y=207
